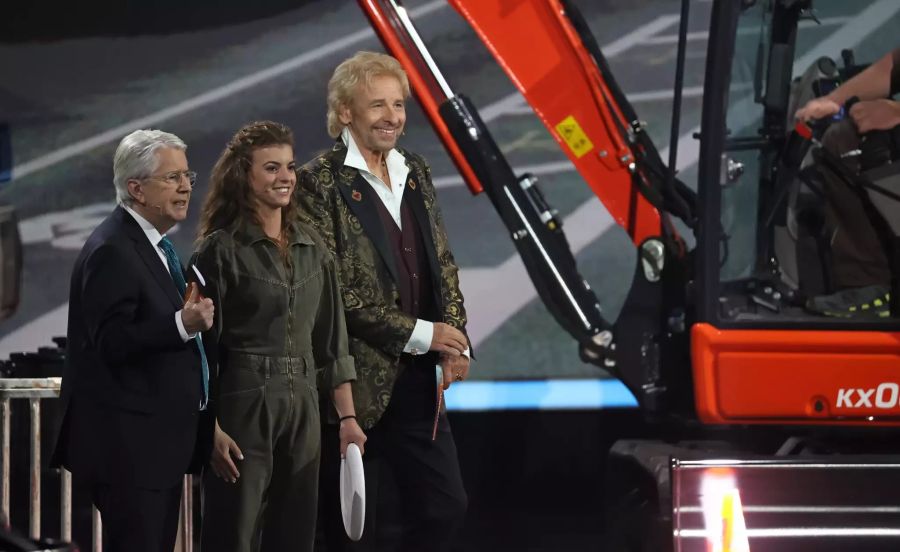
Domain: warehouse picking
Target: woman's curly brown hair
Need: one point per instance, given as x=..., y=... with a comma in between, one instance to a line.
x=229, y=199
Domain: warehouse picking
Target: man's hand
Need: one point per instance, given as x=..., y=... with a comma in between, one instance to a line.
x=221, y=461
x=198, y=311
x=875, y=115
x=456, y=368
x=448, y=340
x=350, y=432
x=817, y=108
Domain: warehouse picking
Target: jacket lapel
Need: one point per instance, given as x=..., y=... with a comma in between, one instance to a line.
x=413, y=195
x=149, y=256
x=359, y=197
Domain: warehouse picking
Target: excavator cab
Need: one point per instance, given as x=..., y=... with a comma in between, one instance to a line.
x=802, y=254
x=797, y=259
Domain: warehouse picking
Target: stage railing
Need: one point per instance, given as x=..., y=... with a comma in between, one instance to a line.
x=34, y=390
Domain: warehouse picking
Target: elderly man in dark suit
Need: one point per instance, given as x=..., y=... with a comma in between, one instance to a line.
x=135, y=379
x=375, y=207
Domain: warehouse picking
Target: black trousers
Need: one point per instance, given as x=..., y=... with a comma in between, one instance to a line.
x=135, y=519
x=415, y=499
x=858, y=257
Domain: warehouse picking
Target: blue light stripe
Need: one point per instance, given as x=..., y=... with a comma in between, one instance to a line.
x=5, y=153
x=539, y=395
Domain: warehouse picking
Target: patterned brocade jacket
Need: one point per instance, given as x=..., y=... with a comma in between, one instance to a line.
x=338, y=201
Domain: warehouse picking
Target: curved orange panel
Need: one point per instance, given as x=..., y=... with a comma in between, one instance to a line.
x=796, y=377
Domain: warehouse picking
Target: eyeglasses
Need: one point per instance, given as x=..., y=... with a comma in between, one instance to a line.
x=174, y=178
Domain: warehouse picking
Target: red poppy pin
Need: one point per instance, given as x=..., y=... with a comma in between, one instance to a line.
x=356, y=195
x=411, y=183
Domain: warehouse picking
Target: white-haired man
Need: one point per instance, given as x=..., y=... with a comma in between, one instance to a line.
x=135, y=378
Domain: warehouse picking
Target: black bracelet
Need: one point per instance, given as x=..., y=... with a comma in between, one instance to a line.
x=347, y=418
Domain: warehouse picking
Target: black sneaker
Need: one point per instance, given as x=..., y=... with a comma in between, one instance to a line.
x=869, y=301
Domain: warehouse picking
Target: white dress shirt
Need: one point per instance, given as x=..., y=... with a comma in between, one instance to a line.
x=154, y=236
x=392, y=196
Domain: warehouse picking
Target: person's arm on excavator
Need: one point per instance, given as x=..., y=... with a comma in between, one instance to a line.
x=873, y=87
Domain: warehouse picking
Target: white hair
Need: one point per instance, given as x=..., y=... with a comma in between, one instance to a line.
x=136, y=158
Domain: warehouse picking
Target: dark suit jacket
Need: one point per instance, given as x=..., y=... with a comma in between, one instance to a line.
x=338, y=202
x=131, y=387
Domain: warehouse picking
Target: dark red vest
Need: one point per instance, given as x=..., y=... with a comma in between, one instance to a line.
x=413, y=397
x=413, y=272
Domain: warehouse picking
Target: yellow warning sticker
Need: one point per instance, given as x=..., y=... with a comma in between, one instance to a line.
x=570, y=131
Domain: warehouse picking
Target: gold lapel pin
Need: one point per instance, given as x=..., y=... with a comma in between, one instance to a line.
x=411, y=183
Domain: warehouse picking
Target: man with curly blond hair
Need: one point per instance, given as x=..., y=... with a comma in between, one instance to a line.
x=375, y=207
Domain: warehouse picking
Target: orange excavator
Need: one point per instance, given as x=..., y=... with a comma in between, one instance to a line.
x=717, y=339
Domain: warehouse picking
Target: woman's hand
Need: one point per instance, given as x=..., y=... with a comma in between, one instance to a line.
x=221, y=462
x=350, y=432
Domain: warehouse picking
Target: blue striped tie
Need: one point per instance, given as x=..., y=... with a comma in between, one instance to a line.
x=178, y=276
